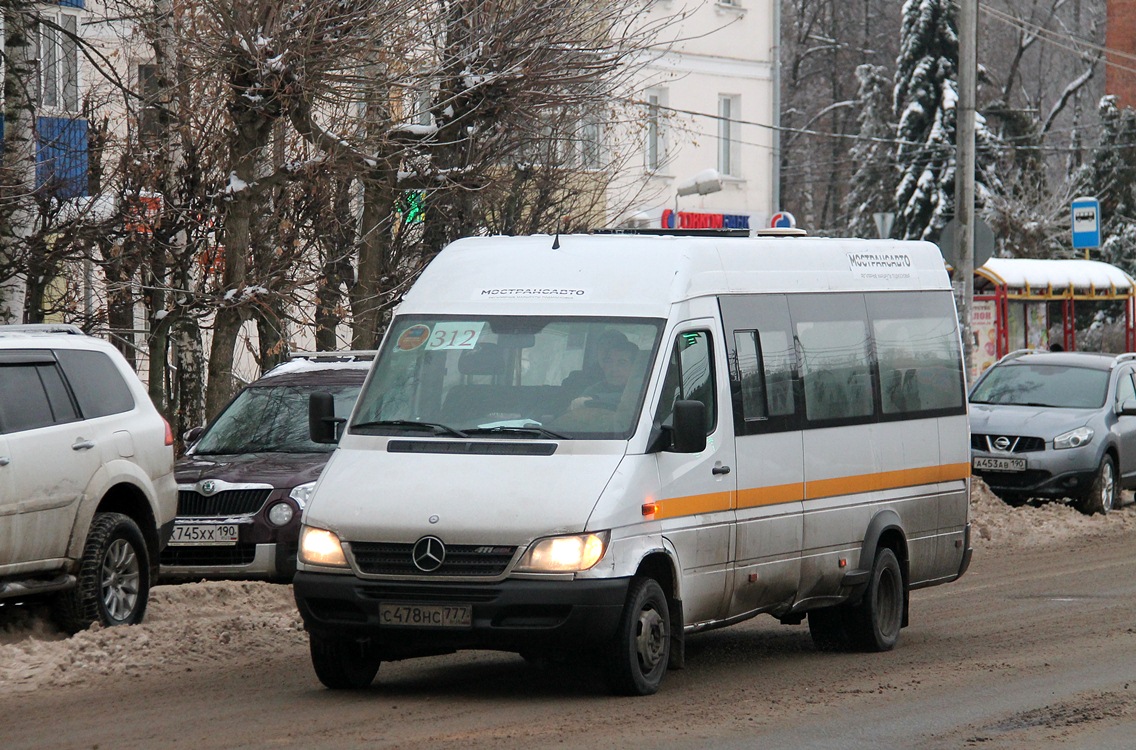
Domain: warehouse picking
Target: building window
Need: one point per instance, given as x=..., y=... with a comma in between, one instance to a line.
x=655, y=145
x=58, y=62
x=589, y=142
x=728, y=135
x=423, y=101
x=149, y=117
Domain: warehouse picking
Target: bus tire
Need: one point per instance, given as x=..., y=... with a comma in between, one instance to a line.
x=874, y=623
x=343, y=663
x=640, y=649
x=828, y=628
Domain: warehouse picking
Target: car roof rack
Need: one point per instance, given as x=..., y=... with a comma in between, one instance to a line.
x=347, y=355
x=1018, y=353
x=1125, y=356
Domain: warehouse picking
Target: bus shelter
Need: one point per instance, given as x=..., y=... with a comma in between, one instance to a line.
x=1014, y=297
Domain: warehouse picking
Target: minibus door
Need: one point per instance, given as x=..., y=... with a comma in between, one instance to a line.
x=696, y=499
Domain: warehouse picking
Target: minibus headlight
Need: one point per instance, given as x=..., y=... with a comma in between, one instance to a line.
x=1073, y=438
x=564, y=554
x=321, y=547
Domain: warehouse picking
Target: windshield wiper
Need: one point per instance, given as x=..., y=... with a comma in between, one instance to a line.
x=532, y=429
x=435, y=427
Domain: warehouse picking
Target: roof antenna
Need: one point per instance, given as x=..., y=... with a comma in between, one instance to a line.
x=556, y=239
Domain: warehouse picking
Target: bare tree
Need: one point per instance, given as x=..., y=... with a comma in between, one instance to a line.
x=17, y=161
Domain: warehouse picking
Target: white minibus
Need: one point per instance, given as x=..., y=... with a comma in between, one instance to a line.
x=593, y=446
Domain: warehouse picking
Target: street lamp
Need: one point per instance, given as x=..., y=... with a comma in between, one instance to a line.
x=705, y=182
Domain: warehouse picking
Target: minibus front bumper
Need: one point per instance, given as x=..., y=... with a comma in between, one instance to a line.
x=509, y=615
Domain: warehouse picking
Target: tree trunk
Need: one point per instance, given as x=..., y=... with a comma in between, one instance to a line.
x=190, y=357
x=337, y=269
x=17, y=158
x=373, y=267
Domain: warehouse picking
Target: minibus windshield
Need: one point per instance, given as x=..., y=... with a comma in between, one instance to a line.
x=524, y=377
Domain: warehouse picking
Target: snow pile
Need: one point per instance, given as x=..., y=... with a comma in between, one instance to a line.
x=187, y=625
x=996, y=524
x=241, y=623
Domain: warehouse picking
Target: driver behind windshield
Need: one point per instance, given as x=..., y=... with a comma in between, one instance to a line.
x=616, y=356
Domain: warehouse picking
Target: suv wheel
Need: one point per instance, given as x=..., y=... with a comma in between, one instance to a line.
x=1101, y=497
x=114, y=577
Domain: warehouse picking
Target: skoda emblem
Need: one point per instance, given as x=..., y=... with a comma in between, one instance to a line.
x=208, y=487
x=1002, y=443
x=429, y=553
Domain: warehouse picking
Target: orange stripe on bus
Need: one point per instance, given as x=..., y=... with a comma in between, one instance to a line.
x=782, y=493
x=884, y=480
x=753, y=497
x=713, y=502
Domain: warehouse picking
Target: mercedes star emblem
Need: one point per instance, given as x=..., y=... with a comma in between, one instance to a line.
x=429, y=553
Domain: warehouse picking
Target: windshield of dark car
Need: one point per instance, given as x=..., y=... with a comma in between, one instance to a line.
x=1058, y=386
x=272, y=419
x=520, y=377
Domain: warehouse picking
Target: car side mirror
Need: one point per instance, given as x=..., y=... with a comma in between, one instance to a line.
x=1127, y=408
x=323, y=425
x=192, y=435
x=688, y=435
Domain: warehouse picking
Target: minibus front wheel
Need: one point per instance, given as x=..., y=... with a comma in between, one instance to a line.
x=343, y=663
x=640, y=649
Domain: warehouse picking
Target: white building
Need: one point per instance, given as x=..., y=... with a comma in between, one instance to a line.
x=709, y=105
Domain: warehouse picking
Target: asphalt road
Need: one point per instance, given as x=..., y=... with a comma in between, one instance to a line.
x=1031, y=649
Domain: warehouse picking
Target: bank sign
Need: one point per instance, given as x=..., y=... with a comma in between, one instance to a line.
x=691, y=220
x=1086, y=223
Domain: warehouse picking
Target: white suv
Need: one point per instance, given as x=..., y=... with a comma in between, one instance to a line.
x=87, y=492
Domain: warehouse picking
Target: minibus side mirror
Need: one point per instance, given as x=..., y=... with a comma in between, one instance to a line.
x=323, y=425
x=1127, y=408
x=688, y=435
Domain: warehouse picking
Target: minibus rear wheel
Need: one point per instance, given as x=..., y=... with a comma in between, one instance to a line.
x=829, y=629
x=640, y=649
x=343, y=663
x=875, y=622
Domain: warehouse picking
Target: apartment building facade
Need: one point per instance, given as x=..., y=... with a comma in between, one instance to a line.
x=707, y=130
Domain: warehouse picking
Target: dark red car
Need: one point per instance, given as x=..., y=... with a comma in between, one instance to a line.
x=243, y=484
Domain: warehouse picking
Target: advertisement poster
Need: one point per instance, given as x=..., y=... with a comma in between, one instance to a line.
x=1037, y=326
x=984, y=329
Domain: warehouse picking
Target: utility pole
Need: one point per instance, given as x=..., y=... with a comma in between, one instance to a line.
x=964, y=173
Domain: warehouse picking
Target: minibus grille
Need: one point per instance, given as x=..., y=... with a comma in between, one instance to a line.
x=396, y=559
x=227, y=503
x=1016, y=444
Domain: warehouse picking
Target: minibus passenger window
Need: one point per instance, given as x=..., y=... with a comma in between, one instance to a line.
x=917, y=348
x=747, y=373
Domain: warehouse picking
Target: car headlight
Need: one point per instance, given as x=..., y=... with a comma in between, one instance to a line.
x=564, y=554
x=280, y=514
x=1073, y=438
x=321, y=547
x=301, y=493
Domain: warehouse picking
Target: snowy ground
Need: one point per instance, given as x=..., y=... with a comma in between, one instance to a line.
x=238, y=623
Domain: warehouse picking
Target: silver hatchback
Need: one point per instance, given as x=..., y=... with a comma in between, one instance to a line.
x=1057, y=425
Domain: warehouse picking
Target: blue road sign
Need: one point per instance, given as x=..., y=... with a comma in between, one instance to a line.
x=1086, y=223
